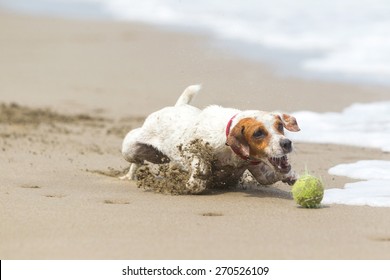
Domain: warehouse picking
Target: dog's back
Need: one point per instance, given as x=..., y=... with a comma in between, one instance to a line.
x=165, y=128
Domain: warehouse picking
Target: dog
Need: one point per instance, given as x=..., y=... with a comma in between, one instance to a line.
x=236, y=141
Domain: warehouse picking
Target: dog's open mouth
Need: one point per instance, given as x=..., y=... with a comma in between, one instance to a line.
x=280, y=163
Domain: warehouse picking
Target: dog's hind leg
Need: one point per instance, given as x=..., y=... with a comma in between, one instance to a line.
x=137, y=153
x=131, y=175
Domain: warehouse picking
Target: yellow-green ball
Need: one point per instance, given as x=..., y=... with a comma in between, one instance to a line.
x=308, y=191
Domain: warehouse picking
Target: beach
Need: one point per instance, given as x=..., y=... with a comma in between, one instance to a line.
x=70, y=90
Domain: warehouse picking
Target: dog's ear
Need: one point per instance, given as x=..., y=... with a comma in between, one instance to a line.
x=290, y=123
x=237, y=142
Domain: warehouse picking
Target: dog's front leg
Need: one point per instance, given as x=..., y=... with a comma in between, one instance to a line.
x=199, y=176
x=266, y=175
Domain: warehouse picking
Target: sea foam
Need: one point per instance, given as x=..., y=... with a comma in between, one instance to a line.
x=373, y=192
x=364, y=125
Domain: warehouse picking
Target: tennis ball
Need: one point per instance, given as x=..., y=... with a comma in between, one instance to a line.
x=308, y=191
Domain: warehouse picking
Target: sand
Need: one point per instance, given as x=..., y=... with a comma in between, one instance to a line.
x=69, y=92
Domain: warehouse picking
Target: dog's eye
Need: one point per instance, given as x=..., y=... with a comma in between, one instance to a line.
x=259, y=134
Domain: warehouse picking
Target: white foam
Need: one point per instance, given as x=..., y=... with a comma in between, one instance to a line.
x=364, y=125
x=364, y=169
x=373, y=192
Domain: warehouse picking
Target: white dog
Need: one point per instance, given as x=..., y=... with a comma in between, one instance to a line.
x=235, y=140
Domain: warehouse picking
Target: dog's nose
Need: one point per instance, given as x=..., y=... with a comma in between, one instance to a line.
x=286, y=145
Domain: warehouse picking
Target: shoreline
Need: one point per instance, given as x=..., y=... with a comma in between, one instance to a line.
x=81, y=85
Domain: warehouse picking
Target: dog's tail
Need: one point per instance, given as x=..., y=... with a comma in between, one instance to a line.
x=188, y=94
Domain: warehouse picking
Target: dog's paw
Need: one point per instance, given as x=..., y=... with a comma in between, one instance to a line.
x=290, y=178
x=131, y=175
x=126, y=177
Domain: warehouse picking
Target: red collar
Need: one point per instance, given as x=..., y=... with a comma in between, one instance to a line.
x=229, y=124
x=227, y=131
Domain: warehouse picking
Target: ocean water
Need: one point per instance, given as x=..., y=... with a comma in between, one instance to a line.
x=337, y=40
x=345, y=40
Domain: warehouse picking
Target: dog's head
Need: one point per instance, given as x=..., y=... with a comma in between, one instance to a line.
x=259, y=136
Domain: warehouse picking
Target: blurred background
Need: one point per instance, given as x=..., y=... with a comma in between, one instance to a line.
x=343, y=40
